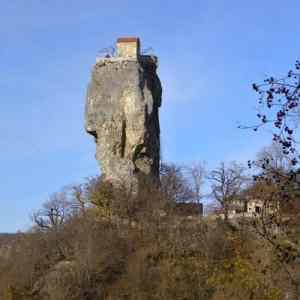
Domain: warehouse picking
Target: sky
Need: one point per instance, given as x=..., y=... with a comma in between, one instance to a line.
x=210, y=52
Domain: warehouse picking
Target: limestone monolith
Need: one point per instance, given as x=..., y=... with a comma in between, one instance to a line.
x=122, y=113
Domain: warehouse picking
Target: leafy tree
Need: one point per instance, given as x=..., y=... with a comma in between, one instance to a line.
x=278, y=106
x=276, y=181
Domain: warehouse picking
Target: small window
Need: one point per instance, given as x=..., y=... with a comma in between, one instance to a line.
x=257, y=209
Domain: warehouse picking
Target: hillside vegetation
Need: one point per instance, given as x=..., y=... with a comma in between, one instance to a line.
x=95, y=242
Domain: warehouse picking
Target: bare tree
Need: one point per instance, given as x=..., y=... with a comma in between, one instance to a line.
x=54, y=212
x=107, y=52
x=79, y=196
x=279, y=220
x=174, y=185
x=226, y=184
x=196, y=175
x=272, y=158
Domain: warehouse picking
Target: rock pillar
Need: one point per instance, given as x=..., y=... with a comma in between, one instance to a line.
x=122, y=113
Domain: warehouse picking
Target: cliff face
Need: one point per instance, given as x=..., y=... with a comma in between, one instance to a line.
x=123, y=99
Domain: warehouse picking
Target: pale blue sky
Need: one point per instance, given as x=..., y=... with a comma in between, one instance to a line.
x=210, y=52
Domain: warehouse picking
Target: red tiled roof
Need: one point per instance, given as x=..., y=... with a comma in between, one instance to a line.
x=128, y=40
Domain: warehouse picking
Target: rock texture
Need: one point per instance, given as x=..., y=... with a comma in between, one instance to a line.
x=122, y=105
